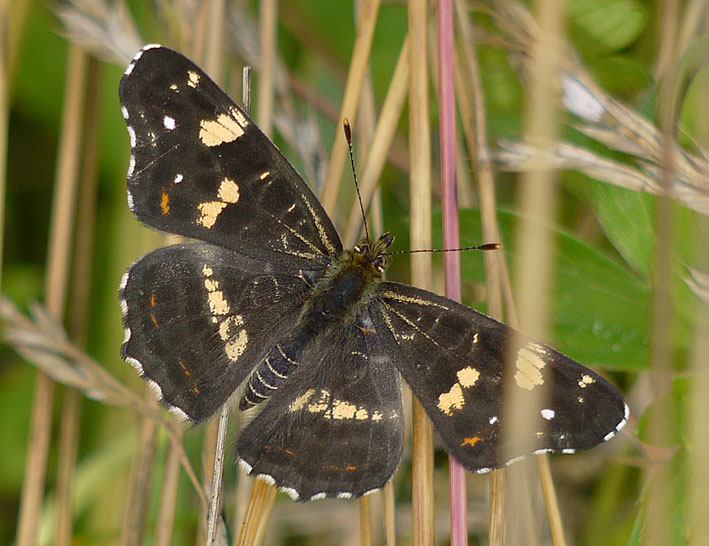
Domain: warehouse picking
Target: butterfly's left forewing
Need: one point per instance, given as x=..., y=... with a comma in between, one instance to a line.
x=200, y=167
x=453, y=359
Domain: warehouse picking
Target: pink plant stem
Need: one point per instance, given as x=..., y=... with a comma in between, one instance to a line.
x=451, y=236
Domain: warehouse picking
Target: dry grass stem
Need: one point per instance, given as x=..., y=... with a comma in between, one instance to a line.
x=607, y=121
x=267, y=26
x=168, y=495
x=55, y=290
x=420, y=217
x=537, y=201
x=258, y=513
x=137, y=501
x=81, y=300
x=389, y=515
x=699, y=489
x=472, y=106
x=365, y=521
x=45, y=345
x=350, y=101
x=381, y=142
x=215, y=501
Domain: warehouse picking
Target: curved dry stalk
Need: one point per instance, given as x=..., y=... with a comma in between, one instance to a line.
x=44, y=344
x=350, y=102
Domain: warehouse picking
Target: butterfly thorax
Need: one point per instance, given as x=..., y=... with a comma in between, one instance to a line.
x=337, y=300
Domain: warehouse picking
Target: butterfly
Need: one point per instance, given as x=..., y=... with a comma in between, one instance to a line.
x=266, y=306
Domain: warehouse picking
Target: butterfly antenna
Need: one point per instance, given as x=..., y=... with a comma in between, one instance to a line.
x=348, y=137
x=486, y=246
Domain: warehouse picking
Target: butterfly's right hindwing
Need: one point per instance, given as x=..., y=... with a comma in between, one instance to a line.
x=336, y=427
x=198, y=318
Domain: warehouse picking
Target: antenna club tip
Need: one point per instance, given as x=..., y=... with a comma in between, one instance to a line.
x=491, y=246
x=347, y=128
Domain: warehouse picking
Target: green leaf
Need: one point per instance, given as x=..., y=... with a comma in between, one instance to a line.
x=627, y=219
x=673, y=407
x=613, y=23
x=601, y=310
x=675, y=484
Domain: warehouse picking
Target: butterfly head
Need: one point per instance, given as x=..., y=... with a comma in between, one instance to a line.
x=375, y=253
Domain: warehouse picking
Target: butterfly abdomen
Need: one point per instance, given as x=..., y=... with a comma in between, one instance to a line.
x=335, y=302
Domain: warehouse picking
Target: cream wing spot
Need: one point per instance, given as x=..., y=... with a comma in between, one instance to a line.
x=192, y=78
x=529, y=365
x=343, y=410
x=321, y=404
x=299, y=403
x=215, y=297
x=210, y=211
x=217, y=304
x=226, y=128
x=237, y=345
x=131, y=134
x=228, y=191
x=169, y=123
x=451, y=400
x=468, y=376
x=585, y=381
x=409, y=299
x=229, y=327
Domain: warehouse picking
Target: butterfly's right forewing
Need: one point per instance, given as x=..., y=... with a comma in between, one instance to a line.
x=453, y=358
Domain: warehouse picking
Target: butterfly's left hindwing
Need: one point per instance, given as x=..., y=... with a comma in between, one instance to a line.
x=336, y=427
x=452, y=357
x=198, y=319
x=201, y=168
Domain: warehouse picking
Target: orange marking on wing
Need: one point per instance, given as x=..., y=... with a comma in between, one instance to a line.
x=472, y=441
x=350, y=467
x=152, y=300
x=165, y=203
x=289, y=452
x=196, y=390
x=154, y=319
x=187, y=372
